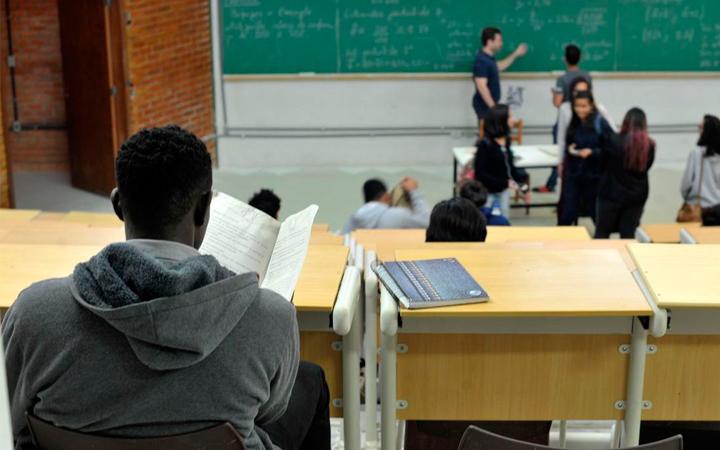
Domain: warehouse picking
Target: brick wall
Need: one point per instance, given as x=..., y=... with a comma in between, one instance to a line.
x=4, y=169
x=170, y=64
x=39, y=85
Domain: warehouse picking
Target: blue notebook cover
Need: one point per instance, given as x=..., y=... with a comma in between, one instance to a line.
x=430, y=283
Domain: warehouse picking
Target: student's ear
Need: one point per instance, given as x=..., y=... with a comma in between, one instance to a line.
x=117, y=206
x=202, y=209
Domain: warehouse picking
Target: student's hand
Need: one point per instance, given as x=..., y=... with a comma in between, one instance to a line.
x=585, y=153
x=409, y=184
x=512, y=184
x=521, y=50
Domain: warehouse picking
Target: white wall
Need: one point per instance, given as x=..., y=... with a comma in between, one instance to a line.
x=326, y=122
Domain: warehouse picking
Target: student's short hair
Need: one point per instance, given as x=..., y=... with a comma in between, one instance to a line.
x=711, y=216
x=266, y=201
x=572, y=54
x=578, y=80
x=710, y=137
x=373, y=189
x=474, y=191
x=488, y=34
x=161, y=173
x=456, y=220
x=495, y=124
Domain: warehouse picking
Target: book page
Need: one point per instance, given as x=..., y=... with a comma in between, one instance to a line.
x=290, y=250
x=241, y=237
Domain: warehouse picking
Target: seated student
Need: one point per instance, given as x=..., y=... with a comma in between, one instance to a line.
x=711, y=216
x=267, y=202
x=474, y=191
x=586, y=136
x=456, y=220
x=150, y=338
x=377, y=212
x=493, y=164
x=701, y=180
x=624, y=186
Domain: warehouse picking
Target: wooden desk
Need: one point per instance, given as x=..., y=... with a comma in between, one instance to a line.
x=93, y=219
x=23, y=265
x=321, y=227
x=551, y=330
x=18, y=214
x=325, y=238
x=314, y=299
x=60, y=233
x=704, y=235
x=507, y=234
x=681, y=378
x=666, y=233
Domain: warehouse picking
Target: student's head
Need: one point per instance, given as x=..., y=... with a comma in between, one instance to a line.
x=375, y=190
x=711, y=216
x=491, y=39
x=572, y=55
x=456, y=220
x=710, y=135
x=637, y=141
x=497, y=122
x=579, y=84
x=474, y=191
x=267, y=202
x=583, y=105
x=164, y=182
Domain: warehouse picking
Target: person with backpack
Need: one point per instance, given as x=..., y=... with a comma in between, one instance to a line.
x=587, y=134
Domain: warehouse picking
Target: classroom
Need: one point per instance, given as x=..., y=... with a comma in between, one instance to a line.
x=359, y=224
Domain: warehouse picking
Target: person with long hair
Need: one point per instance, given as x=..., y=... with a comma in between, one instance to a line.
x=493, y=165
x=701, y=181
x=624, y=185
x=587, y=134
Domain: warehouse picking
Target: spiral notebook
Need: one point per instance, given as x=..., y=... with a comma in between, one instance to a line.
x=430, y=283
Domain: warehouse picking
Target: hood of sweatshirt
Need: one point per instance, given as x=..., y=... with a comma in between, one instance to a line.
x=174, y=311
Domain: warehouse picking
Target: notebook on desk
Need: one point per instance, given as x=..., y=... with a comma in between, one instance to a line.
x=430, y=283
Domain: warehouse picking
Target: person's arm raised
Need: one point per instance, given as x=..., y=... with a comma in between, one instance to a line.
x=520, y=51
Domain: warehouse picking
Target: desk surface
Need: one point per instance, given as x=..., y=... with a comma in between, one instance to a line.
x=53, y=232
x=320, y=278
x=93, y=219
x=526, y=156
x=666, y=233
x=680, y=276
x=23, y=265
x=18, y=214
x=539, y=282
x=325, y=238
x=705, y=235
x=507, y=234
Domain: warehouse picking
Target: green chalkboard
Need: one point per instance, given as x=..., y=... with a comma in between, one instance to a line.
x=381, y=36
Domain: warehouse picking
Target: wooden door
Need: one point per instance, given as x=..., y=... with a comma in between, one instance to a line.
x=93, y=69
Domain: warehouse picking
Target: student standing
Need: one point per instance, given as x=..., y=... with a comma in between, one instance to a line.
x=701, y=180
x=562, y=93
x=494, y=166
x=587, y=135
x=624, y=186
x=486, y=71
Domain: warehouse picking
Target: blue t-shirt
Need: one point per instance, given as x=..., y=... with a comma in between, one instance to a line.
x=486, y=67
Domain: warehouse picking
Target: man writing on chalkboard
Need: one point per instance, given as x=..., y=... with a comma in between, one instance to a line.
x=486, y=71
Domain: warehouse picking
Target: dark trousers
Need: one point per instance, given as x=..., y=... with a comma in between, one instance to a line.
x=306, y=423
x=579, y=194
x=614, y=217
x=551, y=182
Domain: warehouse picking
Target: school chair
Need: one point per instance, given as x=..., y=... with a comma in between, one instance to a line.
x=475, y=438
x=50, y=437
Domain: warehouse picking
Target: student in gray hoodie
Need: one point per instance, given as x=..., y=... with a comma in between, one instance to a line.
x=150, y=338
x=377, y=211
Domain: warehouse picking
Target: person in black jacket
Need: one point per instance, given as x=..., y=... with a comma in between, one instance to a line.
x=624, y=187
x=587, y=134
x=494, y=166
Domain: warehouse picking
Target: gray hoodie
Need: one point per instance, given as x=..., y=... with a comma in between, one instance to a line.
x=380, y=215
x=150, y=338
x=690, y=189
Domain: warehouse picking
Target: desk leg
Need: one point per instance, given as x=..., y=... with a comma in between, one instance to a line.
x=636, y=380
x=388, y=396
x=351, y=384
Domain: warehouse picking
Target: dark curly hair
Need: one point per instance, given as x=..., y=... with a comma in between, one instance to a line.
x=456, y=220
x=161, y=173
x=474, y=191
x=266, y=201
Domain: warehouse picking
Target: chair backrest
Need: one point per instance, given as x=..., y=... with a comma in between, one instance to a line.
x=50, y=437
x=475, y=438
